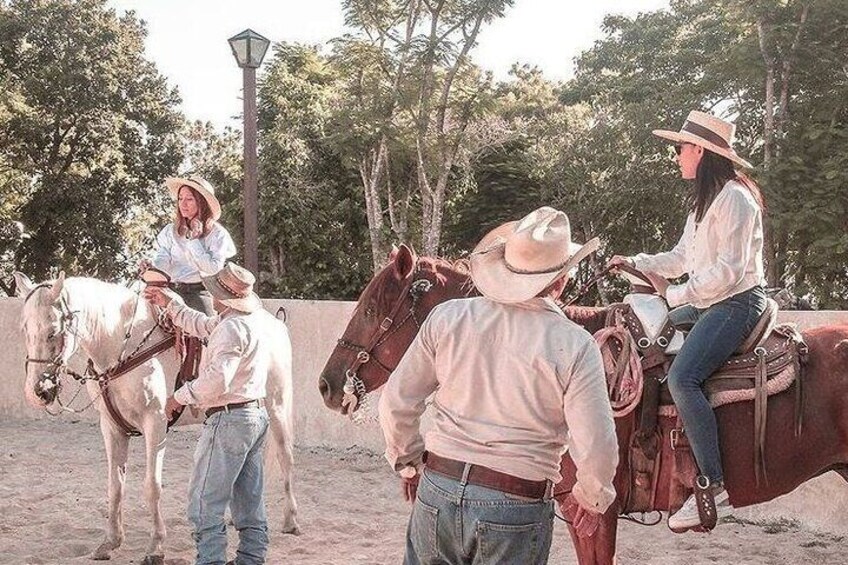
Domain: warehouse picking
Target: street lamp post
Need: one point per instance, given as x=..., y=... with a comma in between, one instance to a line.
x=249, y=48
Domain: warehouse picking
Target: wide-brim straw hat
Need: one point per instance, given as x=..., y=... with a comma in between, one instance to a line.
x=200, y=185
x=233, y=286
x=708, y=132
x=517, y=260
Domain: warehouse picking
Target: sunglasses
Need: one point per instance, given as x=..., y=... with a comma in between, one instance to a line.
x=678, y=148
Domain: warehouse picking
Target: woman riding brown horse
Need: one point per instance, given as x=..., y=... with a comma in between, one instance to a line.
x=400, y=296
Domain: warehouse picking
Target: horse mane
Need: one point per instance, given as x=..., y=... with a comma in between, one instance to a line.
x=103, y=308
x=461, y=266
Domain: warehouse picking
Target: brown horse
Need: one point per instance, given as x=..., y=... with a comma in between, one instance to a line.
x=400, y=296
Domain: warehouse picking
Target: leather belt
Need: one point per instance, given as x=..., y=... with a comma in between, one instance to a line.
x=232, y=406
x=485, y=477
x=188, y=286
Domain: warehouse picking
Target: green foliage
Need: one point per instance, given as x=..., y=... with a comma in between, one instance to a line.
x=91, y=125
x=313, y=235
x=651, y=70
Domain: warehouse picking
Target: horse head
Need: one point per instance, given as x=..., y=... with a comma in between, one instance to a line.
x=50, y=331
x=386, y=319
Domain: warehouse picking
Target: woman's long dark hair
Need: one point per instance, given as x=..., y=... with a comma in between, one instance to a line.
x=714, y=171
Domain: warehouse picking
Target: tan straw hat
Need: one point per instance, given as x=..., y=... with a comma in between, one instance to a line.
x=233, y=286
x=518, y=260
x=200, y=185
x=708, y=132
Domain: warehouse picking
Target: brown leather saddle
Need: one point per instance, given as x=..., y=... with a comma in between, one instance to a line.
x=767, y=362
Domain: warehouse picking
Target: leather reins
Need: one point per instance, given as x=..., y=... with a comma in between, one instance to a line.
x=104, y=378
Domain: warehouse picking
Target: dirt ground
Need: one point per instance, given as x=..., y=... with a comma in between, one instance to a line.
x=53, y=493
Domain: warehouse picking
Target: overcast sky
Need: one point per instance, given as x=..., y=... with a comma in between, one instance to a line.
x=188, y=39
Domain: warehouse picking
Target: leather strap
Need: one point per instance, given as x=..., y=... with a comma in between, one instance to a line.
x=121, y=369
x=189, y=370
x=705, y=501
x=485, y=477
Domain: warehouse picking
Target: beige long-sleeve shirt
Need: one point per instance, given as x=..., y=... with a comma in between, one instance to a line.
x=235, y=364
x=723, y=255
x=514, y=386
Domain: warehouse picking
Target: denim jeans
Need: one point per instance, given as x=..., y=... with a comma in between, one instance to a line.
x=715, y=334
x=228, y=472
x=462, y=524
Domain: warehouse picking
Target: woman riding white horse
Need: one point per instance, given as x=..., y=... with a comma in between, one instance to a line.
x=66, y=315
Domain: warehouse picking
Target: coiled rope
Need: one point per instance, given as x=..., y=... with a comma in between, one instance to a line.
x=623, y=370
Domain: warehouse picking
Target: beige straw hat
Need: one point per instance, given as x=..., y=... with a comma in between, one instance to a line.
x=200, y=185
x=708, y=132
x=517, y=260
x=233, y=286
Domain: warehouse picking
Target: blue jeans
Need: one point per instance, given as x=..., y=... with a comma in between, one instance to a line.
x=228, y=472
x=716, y=333
x=462, y=524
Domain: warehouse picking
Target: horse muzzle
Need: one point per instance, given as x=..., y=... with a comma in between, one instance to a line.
x=47, y=387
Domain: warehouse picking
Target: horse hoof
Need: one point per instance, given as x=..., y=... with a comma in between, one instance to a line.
x=102, y=553
x=153, y=560
x=293, y=530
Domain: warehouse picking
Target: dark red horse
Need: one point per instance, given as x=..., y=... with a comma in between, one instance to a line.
x=400, y=296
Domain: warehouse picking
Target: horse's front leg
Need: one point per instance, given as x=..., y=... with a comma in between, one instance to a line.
x=282, y=435
x=116, y=460
x=154, y=432
x=598, y=549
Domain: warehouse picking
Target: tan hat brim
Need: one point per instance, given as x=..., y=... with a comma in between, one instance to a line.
x=247, y=304
x=686, y=137
x=175, y=183
x=495, y=281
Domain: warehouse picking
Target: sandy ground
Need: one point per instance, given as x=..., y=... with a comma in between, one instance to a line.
x=52, y=504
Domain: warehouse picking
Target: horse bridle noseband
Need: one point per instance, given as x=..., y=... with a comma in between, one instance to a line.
x=354, y=387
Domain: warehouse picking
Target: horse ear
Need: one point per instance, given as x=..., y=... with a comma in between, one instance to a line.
x=403, y=261
x=23, y=286
x=58, y=284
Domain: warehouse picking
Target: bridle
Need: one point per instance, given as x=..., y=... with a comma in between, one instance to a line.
x=67, y=319
x=354, y=387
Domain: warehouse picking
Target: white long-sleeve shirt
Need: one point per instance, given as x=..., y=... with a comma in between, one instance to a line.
x=723, y=255
x=187, y=260
x=514, y=386
x=238, y=356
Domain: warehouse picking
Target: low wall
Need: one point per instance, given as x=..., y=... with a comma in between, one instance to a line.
x=315, y=325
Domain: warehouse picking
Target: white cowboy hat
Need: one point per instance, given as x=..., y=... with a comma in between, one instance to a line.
x=233, y=286
x=200, y=185
x=517, y=260
x=708, y=132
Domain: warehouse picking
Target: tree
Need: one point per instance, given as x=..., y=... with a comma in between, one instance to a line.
x=777, y=68
x=93, y=128
x=413, y=94
x=313, y=233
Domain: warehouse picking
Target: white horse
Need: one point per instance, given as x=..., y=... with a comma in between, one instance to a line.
x=65, y=315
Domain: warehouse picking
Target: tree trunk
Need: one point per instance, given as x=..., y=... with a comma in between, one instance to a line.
x=763, y=31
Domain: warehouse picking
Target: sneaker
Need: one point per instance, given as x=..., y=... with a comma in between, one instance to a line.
x=688, y=517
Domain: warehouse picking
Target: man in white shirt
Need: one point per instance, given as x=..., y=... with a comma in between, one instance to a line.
x=228, y=463
x=514, y=382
